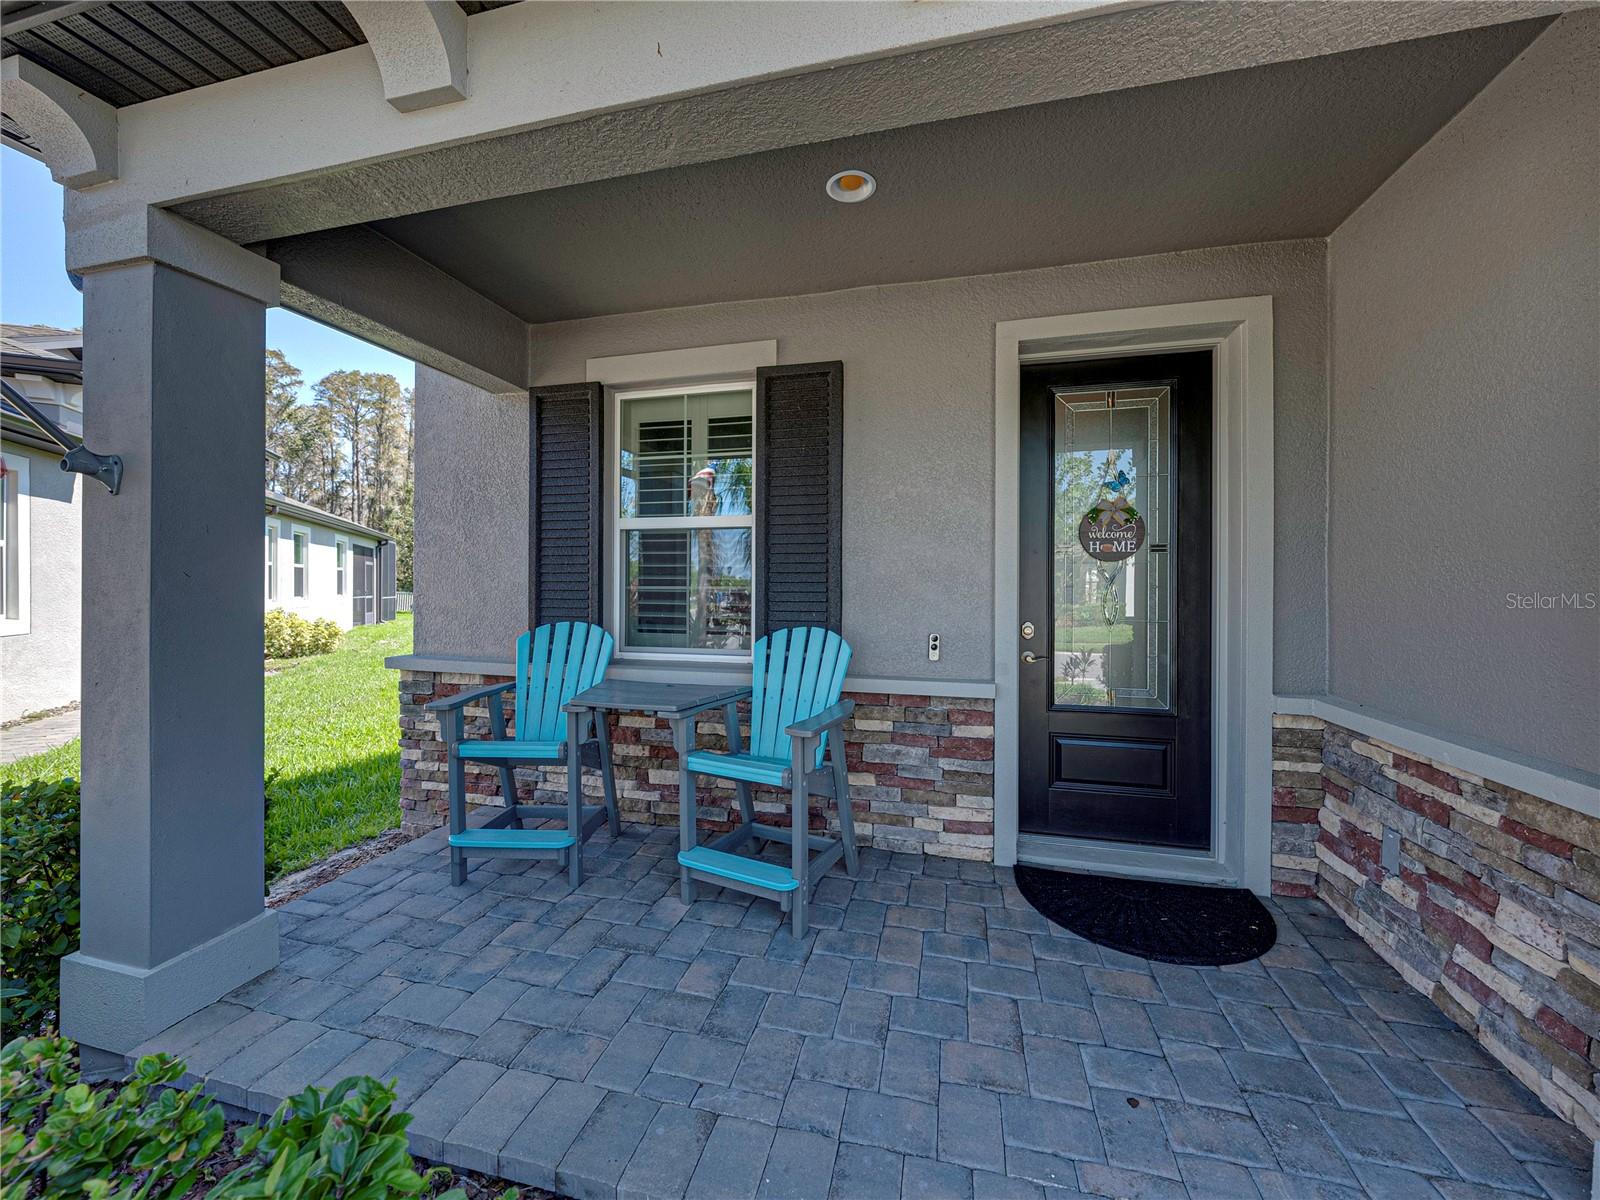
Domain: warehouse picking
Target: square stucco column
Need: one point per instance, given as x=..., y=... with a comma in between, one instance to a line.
x=172, y=834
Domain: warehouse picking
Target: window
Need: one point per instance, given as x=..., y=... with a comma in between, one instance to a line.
x=13, y=545
x=341, y=550
x=685, y=519
x=272, y=561
x=301, y=547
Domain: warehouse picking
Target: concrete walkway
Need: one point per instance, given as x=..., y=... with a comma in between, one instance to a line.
x=35, y=737
x=933, y=1037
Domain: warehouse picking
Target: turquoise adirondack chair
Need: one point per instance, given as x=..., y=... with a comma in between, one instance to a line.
x=554, y=663
x=796, y=744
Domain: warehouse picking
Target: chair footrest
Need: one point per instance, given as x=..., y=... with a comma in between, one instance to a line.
x=737, y=867
x=513, y=839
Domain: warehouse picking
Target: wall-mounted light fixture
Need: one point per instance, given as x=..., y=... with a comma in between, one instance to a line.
x=851, y=187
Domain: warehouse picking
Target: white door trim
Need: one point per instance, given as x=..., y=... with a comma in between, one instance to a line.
x=1240, y=333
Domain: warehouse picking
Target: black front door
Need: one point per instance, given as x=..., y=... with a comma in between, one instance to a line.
x=1115, y=642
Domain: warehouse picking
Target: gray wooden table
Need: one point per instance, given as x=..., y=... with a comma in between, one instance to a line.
x=673, y=701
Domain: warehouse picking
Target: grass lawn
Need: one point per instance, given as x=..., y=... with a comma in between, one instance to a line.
x=1092, y=637
x=333, y=756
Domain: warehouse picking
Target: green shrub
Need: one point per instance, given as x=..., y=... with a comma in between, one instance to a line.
x=289, y=635
x=325, y=635
x=145, y=1140
x=39, y=882
x=340, y=1141
x=141, y=1140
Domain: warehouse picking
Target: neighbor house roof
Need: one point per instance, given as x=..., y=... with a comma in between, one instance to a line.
x=37, y=350
x=17, y=428
x=42, y=350
x=277, y=502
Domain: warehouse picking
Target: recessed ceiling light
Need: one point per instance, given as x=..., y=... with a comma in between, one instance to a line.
x=851, y=187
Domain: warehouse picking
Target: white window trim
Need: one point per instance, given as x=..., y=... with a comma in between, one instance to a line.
x=305, y=591
x=731, y=361
x=617, y=525
x=272, y=575
x=22, y=622
x=341, y=574
x=1239, y=333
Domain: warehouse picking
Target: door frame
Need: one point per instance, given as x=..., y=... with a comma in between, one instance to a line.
x=1239, y=332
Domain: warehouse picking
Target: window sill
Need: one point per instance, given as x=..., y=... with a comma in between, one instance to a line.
x=652, y=672
x=698, y=672
x=666, y=670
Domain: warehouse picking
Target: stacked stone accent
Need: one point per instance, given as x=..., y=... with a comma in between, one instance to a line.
x=1296, y=803
x=1489, y=904
x=921, y=770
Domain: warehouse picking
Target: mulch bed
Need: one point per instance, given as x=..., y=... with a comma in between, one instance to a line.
x=223, y=1161
x=298, y=883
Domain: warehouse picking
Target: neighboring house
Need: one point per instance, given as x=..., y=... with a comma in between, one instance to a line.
x=1320, y=279
x=319, y=565
x=316, y=564
x=42, y=523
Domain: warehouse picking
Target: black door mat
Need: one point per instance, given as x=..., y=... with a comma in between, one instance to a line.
x=1169, y=922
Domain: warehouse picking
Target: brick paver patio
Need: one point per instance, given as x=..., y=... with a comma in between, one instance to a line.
x=933, y=1036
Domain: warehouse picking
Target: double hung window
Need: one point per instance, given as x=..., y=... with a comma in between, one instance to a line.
x=685, y=519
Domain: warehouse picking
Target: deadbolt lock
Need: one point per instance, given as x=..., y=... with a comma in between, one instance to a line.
x=1027, y=630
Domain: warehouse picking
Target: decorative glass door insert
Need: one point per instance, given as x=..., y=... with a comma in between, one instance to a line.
x=1112, y=630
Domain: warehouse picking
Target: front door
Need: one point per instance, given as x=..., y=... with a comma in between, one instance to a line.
x=1115, y=641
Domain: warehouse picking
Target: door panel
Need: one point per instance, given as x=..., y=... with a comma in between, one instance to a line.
x=1083, y=761
x=1116, y=593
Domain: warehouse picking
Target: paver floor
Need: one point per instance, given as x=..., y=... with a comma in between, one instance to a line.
x=27, y=738
x=934, y=1036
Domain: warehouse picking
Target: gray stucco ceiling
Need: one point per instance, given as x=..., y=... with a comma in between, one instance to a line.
x=1277, y=152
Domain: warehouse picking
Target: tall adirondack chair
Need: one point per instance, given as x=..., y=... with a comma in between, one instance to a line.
x=796, y=744
x=554, y=663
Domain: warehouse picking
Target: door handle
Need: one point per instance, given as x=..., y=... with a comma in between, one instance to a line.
x=1028, y=656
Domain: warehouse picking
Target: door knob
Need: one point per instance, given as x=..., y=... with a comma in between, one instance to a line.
x=1028, y=656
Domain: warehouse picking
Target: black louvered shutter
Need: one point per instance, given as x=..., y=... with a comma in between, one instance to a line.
x=566, y=486
x=799, y=495
x=388, y=592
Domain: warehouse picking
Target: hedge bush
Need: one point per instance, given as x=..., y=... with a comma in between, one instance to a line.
x=289, y=635
x=145, y=1140
x=39, y=882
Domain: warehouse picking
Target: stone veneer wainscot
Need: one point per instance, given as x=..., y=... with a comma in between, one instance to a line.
x=1491, y=908
x=921, y=769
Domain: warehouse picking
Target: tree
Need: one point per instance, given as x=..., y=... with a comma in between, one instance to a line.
x=347, y=450
x=286, y=452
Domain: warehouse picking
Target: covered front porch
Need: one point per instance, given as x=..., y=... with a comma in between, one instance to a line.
x=934, y=1036
x=672, y=386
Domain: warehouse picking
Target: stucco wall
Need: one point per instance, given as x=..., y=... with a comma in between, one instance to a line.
x=919, y=440
x=1465, y=427
x=470, y=561
x=39, y=669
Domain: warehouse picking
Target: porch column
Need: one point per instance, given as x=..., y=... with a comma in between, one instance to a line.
x=172, y=837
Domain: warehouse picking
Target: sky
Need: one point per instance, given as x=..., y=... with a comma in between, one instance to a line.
x=35, y=290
